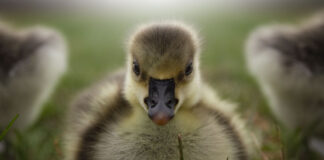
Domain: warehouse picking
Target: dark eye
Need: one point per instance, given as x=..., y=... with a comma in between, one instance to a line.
x=188, y=70
x=136, y=68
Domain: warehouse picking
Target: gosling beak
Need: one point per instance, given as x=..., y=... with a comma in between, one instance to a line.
x=161, y=100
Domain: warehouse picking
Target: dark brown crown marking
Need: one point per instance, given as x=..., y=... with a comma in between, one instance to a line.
x=14, y=49
x=305, y=47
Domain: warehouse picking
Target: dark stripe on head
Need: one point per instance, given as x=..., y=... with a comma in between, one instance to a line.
x=14, y=49
x=305, y=47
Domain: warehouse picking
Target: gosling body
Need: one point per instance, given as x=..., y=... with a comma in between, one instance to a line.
x=288, y=63
x=110, y=120
x=32, y=61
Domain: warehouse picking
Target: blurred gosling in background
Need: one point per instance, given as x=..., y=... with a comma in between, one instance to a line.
x=139, y=113
x=288, y=63
x=31, y=62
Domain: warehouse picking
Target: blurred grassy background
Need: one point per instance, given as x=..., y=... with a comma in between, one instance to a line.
x=96, y=47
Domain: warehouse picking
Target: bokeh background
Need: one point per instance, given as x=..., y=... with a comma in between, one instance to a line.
x=96, y=31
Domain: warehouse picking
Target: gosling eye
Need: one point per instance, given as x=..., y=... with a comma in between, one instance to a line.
x=189, y=69
x=136, y=68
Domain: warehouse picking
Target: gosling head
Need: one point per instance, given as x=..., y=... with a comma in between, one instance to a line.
x=163, y=69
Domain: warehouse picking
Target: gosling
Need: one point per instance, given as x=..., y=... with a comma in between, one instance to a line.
x=288, y=63
x=139, y=114
x=32, y=61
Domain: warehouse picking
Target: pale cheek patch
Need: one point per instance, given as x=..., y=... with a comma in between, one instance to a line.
x=188, y=94
x=135, y=92
x=180, y=96
x=141, y=93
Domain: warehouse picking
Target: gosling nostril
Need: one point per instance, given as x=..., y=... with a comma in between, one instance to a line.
x=172, y=103
x=150, y=102
x=153, y=103
x=169, y=104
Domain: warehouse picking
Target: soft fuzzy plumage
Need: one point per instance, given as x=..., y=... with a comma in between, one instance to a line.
x=109, y=120
x=288, y=63
x=32, y=61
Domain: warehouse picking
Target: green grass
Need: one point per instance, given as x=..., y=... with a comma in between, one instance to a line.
x=5, y=131
x=97, y=47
